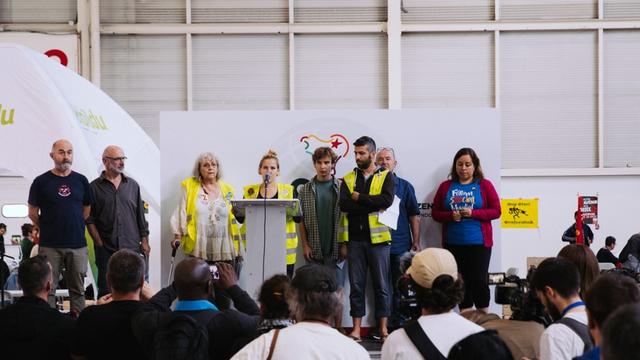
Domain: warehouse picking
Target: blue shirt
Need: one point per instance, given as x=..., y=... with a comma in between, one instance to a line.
x=401, y=237
x=61, y=200
x=467, y=231
x=593, y=354
x=195, y=305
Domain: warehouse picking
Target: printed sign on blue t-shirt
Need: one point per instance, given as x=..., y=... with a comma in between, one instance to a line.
x=467, y=231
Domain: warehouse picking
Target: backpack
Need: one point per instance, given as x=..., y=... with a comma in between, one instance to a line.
x=181, y=337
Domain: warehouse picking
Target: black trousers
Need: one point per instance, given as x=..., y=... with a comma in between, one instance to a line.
x=473, y=265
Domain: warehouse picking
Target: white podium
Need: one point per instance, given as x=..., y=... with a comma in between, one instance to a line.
x=266, y=239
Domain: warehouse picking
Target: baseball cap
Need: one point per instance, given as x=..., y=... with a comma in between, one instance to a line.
x=316, y=278
x=430, y=263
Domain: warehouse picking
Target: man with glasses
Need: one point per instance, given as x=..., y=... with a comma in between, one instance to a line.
x=117, y=218
x=407, y=234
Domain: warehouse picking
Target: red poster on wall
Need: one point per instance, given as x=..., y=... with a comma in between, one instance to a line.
x=588, y=207
x=587, y=214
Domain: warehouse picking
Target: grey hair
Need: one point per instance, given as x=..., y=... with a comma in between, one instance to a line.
x=207, y=156
x=307, y=305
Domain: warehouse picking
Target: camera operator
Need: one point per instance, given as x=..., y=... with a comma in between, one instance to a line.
x=439, y=288
x=556, y=282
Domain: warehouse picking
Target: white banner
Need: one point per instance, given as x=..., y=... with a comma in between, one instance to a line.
x=424, y=141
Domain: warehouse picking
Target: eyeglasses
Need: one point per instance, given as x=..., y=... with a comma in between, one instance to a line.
x=122, y=158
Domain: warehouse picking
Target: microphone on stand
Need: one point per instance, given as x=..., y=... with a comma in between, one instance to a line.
x=267, y=179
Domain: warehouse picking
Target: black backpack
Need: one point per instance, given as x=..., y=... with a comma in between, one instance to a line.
x=181, y=337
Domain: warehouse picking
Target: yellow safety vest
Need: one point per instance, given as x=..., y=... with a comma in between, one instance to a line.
x=284, y=192
x=379, y=232
x=192, y=187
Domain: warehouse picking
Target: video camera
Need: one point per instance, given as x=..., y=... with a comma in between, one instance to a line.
x=513, y=291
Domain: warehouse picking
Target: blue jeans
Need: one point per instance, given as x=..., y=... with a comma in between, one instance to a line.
x=363, y=256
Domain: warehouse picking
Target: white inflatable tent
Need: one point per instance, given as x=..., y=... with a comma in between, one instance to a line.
x=42, y=101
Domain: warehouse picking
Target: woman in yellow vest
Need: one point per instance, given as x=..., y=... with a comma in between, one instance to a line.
x=270, y=168
x=203, y=221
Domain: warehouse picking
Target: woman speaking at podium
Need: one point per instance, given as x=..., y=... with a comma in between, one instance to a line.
x=270, y=188
x=203, y=221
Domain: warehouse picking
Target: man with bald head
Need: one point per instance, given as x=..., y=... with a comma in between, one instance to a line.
x=59, y=204
x=117, y=218
x=193, y=284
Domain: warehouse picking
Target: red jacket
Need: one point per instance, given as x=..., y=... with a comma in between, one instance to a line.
x=490, y=209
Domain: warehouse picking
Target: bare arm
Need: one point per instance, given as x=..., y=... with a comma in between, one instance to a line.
x=34, y=215
x=306, y=248
x=95, y=235
x=414, y=222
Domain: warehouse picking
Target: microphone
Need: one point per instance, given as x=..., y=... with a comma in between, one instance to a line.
x=267, y=178
x=173, y=252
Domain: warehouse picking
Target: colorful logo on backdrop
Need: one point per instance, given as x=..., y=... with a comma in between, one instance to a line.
x=337, y=142
x=90, y=121
x=6, y=115
x=519, y=213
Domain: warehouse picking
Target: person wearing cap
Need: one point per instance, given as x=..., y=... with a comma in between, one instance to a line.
x=313, y=298
x=439, y=288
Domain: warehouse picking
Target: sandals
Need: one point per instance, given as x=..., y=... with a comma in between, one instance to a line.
x=383, y=338
x=357, y=339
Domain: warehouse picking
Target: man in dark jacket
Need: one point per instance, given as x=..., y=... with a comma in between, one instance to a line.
x=31, y=329
x=192, y=287
x=570, y=234
x=630, y=254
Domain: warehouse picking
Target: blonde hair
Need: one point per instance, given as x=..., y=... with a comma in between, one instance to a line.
x=207, y=156
x=271, y=154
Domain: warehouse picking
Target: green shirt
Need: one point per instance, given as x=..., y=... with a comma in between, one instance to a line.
x=325, y=202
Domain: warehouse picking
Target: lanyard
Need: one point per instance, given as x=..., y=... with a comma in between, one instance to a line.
x=573, y=305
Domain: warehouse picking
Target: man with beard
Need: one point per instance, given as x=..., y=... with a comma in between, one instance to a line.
x=117, y=216
x=59, y=204
x=556, y=282
x=364, y=241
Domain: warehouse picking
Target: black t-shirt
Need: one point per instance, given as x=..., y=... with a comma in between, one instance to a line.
x=104, y=332
x=61, y=200
x=605, y=256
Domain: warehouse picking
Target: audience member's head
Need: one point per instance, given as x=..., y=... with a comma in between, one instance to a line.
x=3, y=228
x=273, y=297
x=125, y=272
x=34, y=276
x=620, y=340
x=192, y=279
x=555, y=281
x=313, y=293
x=435, y=274
x=586, y=262
x=610, y=242
x=607, y=293
x=26, y=229
x=483, y=345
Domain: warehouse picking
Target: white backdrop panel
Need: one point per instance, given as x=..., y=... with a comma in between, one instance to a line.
x=424, y=141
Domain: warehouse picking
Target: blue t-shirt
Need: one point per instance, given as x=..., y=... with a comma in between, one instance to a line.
x=401, y=238
x=467, y=231
x=61, y=200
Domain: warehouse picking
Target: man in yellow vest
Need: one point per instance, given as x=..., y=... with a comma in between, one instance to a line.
x=365, y=241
